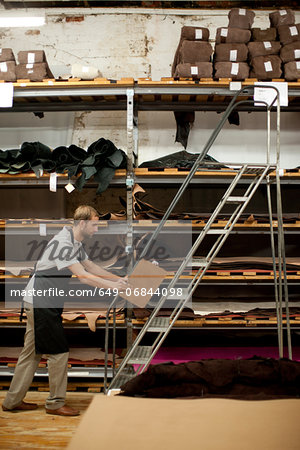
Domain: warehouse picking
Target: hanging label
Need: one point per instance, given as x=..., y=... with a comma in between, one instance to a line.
x=267, y=44
x=85, y=69
x=235, y=85
x=69, y=188
x=53, y=182
x=293, y=31
x=261, y=93
x=242, y=12
x=194, y=70
x=297, y=53
x=43, y=229
x=268, y=66
x=198, y=34
x=41, y=172
x=31, y=58
x=224, y=32
x=3, y=67
x=298, y=65
x=234, y=68
x=281, y=172
x=6, y=95
x=29, y=66
x=282, y=12
x=233, y=55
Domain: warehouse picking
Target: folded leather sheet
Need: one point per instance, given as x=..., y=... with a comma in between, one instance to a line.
x=194, y=52
x=282, y=17
x=8, y=71
x=231, y=52
x=289, y=33
x=181, y=159
x=292, y=71
x=31, y=57
x=232, y=35
x=236, y=71
x=263, y=48
x=269, y=34
x=266, y=67
x=290, y=52
x=253, y=378
x=197, y=70
x=6, y=54
x=241, y=18
x=32, y=72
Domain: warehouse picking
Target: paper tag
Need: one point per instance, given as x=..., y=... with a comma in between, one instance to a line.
x=297, y=53
x=50, y=82
x=69, y=188
x=234, y=68
x=41, y=172
x=267, y=44
x=268, y=66
x=53, y=182
x=268, y=95
x=281, y=172
x=293, y=31
x=298, y=65
x=224, y=32
x=233, y=55
x=85, y=69
x=3, y=67
x=0, y=51
x=198, y=34
x=242, y=12
x=43, y=229
x=235, y=85
x=194, y=70
x=6, y=95
x=282, y=12
x=31, y=58
x=29, y=71
x=29, y=66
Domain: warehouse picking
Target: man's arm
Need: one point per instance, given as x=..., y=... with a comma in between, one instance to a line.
x=93, y=268
x=91, y=279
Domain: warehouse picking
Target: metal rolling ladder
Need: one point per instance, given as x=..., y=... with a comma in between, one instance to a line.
x=255, y=174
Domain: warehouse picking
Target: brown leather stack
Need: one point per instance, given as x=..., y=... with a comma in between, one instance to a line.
x=289, y=35
x=193, y=55
x=231, y=52
x=33, y=66
x=7, y=65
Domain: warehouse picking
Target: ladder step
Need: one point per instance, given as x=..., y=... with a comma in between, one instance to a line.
x=159, y=324
x=140, y=355
x=217, y=231
x=122, y=379
x=236, y=200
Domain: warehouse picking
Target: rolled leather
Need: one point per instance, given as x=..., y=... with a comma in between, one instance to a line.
x=6, y=54
x=282, y=17
x=290, y=52
x=241, y=18
x=31, y=57
x=235, y=71
x=194, y=33
x=289, y=33
x=199, y=70
x=33, y=72
x=269, y=34
x=8, y=71
x=192, y=52
x=263, y=48
x=231, y=52
x=232, y=35
x=266, y=67
x=292, y=71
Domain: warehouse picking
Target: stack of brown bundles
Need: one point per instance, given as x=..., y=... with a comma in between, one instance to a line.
x=193, y=55
x=289, y=35
x=33, y=66
x=231, y=52
x=7, y=65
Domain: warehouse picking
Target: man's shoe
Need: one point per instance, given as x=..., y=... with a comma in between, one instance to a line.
x=63, y=411
x=22, y=407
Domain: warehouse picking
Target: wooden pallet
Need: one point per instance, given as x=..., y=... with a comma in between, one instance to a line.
x=74, y=386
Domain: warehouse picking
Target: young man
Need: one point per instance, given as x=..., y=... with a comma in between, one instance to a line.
x=63, y=257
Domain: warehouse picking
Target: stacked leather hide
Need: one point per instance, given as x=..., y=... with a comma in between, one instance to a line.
x=33, y=66
x=7, y=65
x=231, y=51
x=289, y=35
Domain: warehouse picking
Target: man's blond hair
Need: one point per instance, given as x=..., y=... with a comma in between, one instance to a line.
x=85, y=212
